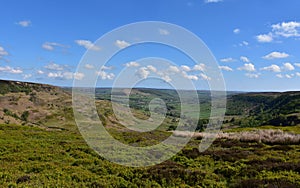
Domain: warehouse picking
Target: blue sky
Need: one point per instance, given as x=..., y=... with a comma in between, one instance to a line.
x=256, y=43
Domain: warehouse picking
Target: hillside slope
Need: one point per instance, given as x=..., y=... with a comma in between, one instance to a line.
x=31, y=103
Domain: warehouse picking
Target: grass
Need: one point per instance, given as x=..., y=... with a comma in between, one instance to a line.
x=34, y=157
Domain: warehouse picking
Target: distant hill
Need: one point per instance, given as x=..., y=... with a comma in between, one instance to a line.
x=51, y=106
x=268, y=108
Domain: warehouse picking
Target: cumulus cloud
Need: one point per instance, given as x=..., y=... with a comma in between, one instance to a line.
x=24, y=23
x=78, y=76
x=87, y=45
x=65, y=75
x=236, y=31
x=228, y=60
x=289, y=76
x=54, y=66
x=143, y=72
x=298, y=74
x=283, y=29
x=26, y=76
x=55, y=75
x=247, y=67
x=287, y=29
x=245, y=59
x=163, y=32
x=190, y=77
x=225, y=68
x=173, y=69
x=3, y=52
x=212, y=1
x=251, y=75
x=276, y=55
x=89, y=66
x=106, y=67
x=297, y=64
x=288, y=67
x=122, y=44
x=132, y=64
x=8, y=69
x=204, y=77
x=40, y=72
x=264, y=38
x=185, y=68
x=244, y=43
x=151, y=68
x=105, y=76
x=50, y=46
x=272, y=68
x=199, y=67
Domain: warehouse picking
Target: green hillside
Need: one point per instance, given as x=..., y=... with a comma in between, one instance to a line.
x=40, y=145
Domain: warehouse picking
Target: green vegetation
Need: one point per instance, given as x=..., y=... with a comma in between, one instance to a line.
x=14, y=87
x=259, y=146
x=34, y=157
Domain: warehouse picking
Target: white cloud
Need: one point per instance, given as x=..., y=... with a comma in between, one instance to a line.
x=298, y=74
x=106, y=67
x=24, y=23
x=225, y=68
x=297, y=64
x=89, y=66
x=236, y=31
x=250, y=75
x=54, y=66
x=50, y=46
x=204, y=76
x=105, y=76
x=3, y=52
x=166, y=78
x=245, y=59
x=132, y=64
x=288, y=67
x=88, y=45
x=151, y=68
x=264, y=38
x=143, y=72
x=199, y=67
x=228, y=60
x=40, y=72
x=244, y=43
x=289, y=76
x=173, y=69
x=287, y=29
x=185, y=68
x=8, y=69
x=78, y=76
x=276, y=55
x=247, y=67
x=212, y=1
x=190, y=77
x=163, y=32
x=26, y=76
x=272, y=68
x=66, y=75
x=122, y=44
x=55, y=75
